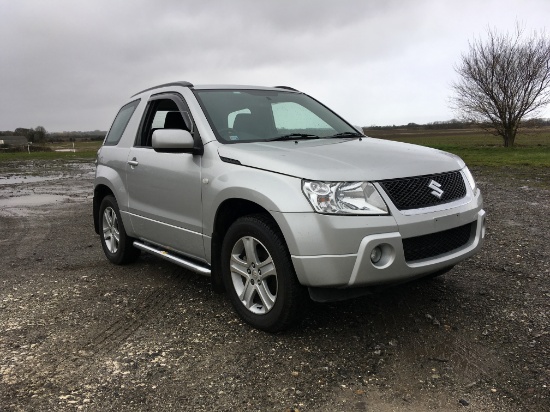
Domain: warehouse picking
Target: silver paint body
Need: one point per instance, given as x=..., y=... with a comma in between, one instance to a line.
x=170, y=199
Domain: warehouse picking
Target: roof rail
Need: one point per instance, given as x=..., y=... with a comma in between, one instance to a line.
x=180, y=83
x=286, y=88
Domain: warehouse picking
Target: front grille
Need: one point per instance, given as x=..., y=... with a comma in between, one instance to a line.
x=434, y=244
x=415, y=192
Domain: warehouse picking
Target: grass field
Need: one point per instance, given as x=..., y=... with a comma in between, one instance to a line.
x=83, y=150
x=476, y=147
x=479, y=148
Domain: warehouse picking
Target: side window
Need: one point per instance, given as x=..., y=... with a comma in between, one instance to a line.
x=292, y=117
x=120, y=123
x=161, y=114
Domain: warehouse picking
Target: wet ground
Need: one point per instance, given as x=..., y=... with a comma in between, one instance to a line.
x=24, y=185
x=79, y=333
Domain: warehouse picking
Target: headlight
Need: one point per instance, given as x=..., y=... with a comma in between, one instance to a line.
x=470, y=178
x=344, y=198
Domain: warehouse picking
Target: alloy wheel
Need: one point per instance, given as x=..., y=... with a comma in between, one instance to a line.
x=111, y=233
x=254, y=275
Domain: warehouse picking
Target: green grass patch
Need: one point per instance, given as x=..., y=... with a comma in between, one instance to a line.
x=83, y=150
x=481, y=149
x=78, y=146
x=500, y=156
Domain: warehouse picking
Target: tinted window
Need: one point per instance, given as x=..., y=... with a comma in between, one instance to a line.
x=231, y=116
x=120, y=123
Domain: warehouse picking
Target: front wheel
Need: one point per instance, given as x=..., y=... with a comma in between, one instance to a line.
x=117, y=245
x=259, y=276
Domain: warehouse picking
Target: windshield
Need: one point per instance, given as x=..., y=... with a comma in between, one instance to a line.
x=238, y=116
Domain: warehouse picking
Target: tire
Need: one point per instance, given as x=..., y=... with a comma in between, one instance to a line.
x=117, y=246
x=272, y=300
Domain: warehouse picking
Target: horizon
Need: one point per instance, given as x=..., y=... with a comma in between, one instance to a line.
x=409, y=124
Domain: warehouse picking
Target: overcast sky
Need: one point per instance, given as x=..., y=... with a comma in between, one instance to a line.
x=69, y=65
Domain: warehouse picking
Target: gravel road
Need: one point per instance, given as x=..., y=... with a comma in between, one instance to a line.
x=78, y=333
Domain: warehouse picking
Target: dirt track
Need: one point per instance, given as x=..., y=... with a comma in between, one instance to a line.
x=80, y=333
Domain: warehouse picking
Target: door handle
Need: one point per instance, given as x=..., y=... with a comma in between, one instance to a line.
x=133, y=162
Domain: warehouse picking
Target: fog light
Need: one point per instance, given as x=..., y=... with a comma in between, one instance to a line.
x=376, y=254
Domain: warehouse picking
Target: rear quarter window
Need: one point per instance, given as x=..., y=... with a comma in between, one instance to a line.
x=121, y=121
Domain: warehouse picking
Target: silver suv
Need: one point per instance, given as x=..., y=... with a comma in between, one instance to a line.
x=275, y=196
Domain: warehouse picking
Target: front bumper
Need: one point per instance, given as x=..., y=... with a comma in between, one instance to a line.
x=338, y=248
x=358, y=270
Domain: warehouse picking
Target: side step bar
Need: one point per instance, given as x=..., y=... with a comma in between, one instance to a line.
x=178, y=260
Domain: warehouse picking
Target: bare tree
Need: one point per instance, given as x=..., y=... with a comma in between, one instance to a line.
x=503, y=79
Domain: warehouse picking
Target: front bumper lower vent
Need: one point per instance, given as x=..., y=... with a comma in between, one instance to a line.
x=435, y=244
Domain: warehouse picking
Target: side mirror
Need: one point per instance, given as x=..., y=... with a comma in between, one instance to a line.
x=172, y=140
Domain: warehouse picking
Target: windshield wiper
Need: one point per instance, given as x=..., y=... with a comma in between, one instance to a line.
x=294, y=136
x=347, y=134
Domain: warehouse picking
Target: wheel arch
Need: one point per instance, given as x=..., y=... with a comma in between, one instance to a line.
x=100, y=191
x=226, y=214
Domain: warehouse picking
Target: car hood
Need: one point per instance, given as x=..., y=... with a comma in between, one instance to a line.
x=342, y=159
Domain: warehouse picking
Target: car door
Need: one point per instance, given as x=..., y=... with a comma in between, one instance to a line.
x=164, y=189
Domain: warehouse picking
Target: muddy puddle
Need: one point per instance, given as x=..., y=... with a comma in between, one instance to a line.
x=30, y=187
x=16, y=179
x=32, y=200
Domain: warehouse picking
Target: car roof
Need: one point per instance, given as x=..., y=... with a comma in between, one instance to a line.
x=216, y=87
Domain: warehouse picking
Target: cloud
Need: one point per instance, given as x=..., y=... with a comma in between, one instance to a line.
x=69, y=65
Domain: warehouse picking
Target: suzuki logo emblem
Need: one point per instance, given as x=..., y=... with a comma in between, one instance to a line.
x=437, y=192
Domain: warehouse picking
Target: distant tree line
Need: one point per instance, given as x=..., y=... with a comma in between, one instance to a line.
x=95, y=135
x=40, y=135
x=455, y=124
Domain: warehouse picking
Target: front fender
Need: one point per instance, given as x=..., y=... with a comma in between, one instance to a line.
x=272, y=191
